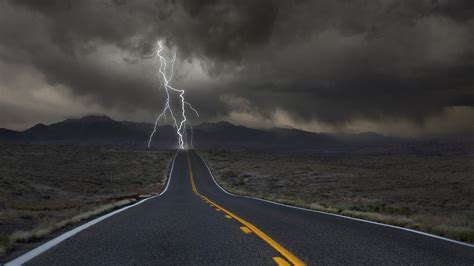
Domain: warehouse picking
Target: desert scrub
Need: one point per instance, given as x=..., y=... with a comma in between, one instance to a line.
x=5, y=244
x=45, y=229
x=41, y=186
x=431, y=193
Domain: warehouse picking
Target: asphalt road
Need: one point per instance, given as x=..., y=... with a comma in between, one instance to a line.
x=196, y=223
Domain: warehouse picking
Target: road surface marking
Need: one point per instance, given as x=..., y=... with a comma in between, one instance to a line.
x=55, y=241
x=275, y=245
x=228, y=217
x=337, y=215
x=281, y=261
x=245, y=230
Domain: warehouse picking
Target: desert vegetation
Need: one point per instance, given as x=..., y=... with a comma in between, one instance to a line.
x=428, y=192
x=44, y=188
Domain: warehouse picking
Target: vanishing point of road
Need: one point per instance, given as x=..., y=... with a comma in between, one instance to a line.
x=195, y=222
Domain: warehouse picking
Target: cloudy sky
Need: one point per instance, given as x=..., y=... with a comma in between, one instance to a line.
x=403, y=68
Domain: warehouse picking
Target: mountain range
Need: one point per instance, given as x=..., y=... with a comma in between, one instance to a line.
x=104, y=131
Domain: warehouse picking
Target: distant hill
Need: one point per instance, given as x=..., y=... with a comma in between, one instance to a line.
x=104, y=131
x=7, y=135
x=229, y=136
x=90, y=130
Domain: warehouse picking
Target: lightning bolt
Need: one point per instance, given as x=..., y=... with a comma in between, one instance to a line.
x=165, y=74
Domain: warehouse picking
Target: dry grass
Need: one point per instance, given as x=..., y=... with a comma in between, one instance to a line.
x=432, y=193
x=46, y=187
x=44, y=229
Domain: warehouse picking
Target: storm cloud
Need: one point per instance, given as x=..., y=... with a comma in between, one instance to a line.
x=395, y=67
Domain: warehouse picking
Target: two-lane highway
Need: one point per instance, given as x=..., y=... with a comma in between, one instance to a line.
x=195, y=222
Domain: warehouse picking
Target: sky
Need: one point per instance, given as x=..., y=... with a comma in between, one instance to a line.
x=396, y=67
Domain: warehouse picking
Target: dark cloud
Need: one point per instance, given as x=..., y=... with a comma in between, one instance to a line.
x=334, y=62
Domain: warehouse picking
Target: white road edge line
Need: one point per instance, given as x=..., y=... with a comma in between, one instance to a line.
x=338, y=215
x=55, y=241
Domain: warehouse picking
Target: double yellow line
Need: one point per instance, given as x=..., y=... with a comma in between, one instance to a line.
x=278, y=247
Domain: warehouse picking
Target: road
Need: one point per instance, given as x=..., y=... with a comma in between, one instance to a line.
x=194, y=222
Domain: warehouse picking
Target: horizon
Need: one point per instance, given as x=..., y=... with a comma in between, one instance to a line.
x=149, y=123
x=237, y=125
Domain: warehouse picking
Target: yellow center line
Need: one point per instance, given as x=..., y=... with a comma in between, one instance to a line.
x=245, y=230
x=278, y=247
x=281, y=261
